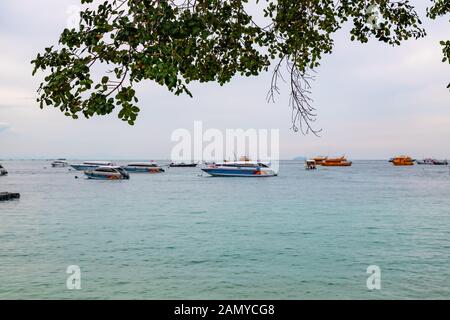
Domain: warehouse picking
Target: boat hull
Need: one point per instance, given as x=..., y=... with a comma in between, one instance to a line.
x=183, y=165
x=339, y=164
x=95, y=176
x=256, y=173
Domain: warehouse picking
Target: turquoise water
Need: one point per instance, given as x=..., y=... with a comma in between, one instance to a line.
x=301, y=235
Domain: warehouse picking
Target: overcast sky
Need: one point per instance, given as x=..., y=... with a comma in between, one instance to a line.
x=373, y=101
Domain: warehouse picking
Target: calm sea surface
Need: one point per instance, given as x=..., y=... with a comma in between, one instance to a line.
x=301, y=235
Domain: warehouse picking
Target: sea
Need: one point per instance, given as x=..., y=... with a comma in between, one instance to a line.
x=369, y=231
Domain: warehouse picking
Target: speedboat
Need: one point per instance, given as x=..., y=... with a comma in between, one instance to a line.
x=108, y=173
x=435, y=162
x=336, y=162
x=310, y=164
x=402, y=161
x=144, y=167
x=440, y=163
x=182, y=165
x=240, y=169
x=90, y=165
x=60, y=163
x=427, y=161
x=3, y=171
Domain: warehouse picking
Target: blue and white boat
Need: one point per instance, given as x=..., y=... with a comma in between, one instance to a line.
x=144, y=167
x=90, y=165
x=108, y=173
x=240, y=169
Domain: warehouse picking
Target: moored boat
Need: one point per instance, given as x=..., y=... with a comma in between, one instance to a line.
x=310, y=164
x=402, y=161
x=5, y=196
x=240, y=169
x=91, y=165
x=3, y=171
x=60, y=163
x=182, y=165
x=144, y=167
x=108, y=173
x=429, y=161
x=336, y=162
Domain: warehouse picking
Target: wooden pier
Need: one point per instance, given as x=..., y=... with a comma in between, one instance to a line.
x=4, y=196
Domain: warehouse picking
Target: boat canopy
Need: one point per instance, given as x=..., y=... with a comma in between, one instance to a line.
x=242, y=164
x=98, y=163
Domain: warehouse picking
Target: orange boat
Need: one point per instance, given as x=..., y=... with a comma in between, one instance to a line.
x=336, y=162
x=402, y=161
x=319, y=160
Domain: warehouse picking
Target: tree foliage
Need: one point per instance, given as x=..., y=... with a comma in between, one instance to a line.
x=176, y=42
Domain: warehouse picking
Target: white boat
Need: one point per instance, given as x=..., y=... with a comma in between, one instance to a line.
x=240, y=169
x=3, y=171
x=61, y=163
x=435, y=162
x=108, y=173
x=144, y=167
x=91, y=165
x=310, y=164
